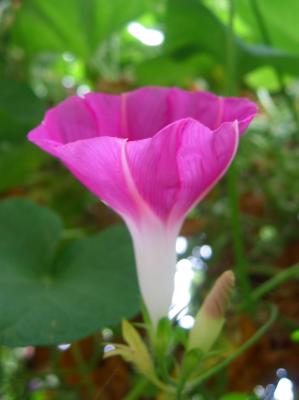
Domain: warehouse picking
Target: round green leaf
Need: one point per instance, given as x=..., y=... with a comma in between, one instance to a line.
x=51, y=294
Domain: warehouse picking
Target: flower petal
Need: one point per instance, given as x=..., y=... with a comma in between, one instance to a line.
x=146, y=111
x=211, y=110
x=239, y=109
x=199, y=172
x=139, y=114
x=150, y=109
x=154, y=248
x=201, y=106
x=69, y=121
x=97, y=163
x=177, y=167
x=106, y=109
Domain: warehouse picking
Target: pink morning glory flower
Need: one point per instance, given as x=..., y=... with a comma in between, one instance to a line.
x=151, y=155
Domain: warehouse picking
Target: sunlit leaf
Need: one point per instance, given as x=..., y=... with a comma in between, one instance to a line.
x=76, y=26
x=264, y=77
x=279, y=18
x=193, y=26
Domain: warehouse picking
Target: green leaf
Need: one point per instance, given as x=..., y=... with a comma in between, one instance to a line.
x=280, y=19
x=76, y=26
x=264, y=77
x=190, y=23
x=168, y=71
x=252, y=57
x=20, y=110
x=49, y=296
x=193, y=26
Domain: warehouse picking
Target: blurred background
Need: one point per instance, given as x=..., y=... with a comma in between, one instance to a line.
x=56, y=48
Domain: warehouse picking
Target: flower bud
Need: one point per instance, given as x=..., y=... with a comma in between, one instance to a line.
x=210, y=318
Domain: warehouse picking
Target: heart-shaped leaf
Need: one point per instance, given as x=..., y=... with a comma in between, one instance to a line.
x=53, y=293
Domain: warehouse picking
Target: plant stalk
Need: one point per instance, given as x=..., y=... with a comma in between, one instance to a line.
x=232, y=177
x=277, y=280
x=256, y=337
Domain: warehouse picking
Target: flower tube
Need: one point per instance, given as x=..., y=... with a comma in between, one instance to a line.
x=151, y=155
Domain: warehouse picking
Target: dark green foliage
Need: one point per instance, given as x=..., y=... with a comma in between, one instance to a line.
x=51, y=294
x=20, y=110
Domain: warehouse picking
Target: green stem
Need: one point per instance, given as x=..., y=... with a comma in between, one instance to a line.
x=279, y=75
x=83, y=370
x=208, y=374
x=277, y=280
x=241, y=265
x=241, y=269
x=231, y=81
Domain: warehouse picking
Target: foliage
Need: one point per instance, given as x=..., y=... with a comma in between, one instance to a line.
x=54, y=294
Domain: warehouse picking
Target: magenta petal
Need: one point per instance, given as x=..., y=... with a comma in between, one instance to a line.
x=145, y=111
x=42, y=139
x=69, y=121
x=211, y=110
x=97, y=163
x=241, y=110
x=202, y=160
x=177, y=167
x=201, y=106
x=140, y=114
x=107, y=110
x=148, y=110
